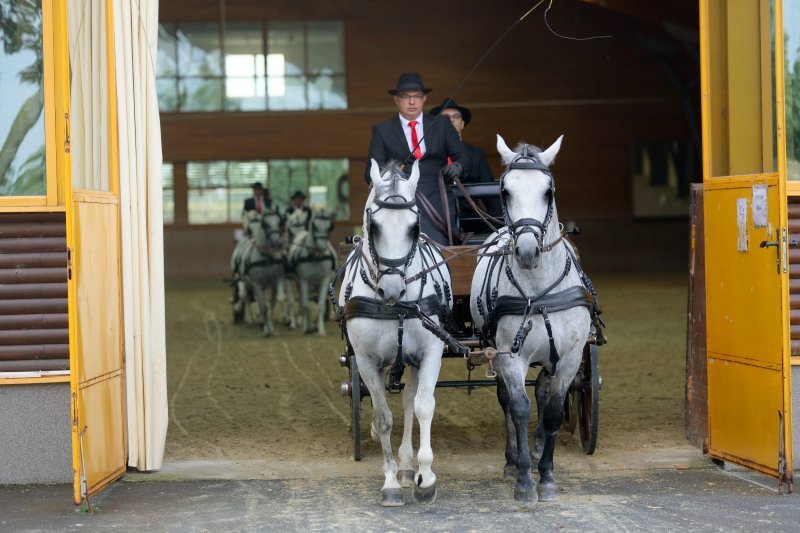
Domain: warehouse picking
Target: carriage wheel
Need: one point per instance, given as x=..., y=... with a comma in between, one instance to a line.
x=355, y=404
x=571, y=409
x=588, y=406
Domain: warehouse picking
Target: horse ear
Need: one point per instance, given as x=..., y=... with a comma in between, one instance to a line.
x=374, y=172
x=414, y=177
x=548, y=156
x=506, y=153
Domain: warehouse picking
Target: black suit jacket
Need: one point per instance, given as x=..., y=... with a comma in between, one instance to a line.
x=478, y=170
x=250, y=203
x=441, y=141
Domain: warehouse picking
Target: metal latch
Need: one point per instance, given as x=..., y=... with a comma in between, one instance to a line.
x=66, y=132
x=69, y=263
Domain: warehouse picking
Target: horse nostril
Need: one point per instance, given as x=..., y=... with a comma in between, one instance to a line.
x=516, y=251
x=402, y=292
x=380, y=292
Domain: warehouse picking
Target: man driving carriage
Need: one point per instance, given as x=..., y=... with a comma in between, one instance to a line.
x=435, y=143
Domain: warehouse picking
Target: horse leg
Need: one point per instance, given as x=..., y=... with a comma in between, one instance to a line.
x=542, y=388
x=405, y=475
x=513, y=372
x=510, y=469
x=322, y=302
x=289, y=318
x=424, y=405
x=305, y=309
x=239, y=302
x=551, y=415
x=262, y=309
x=391, y=493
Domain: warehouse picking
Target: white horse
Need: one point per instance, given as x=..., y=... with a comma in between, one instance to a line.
x=391, y=313
x=539, y=314
x=258, y=263
x=313, y=261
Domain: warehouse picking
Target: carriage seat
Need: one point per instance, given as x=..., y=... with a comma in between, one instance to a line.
x=469, y=220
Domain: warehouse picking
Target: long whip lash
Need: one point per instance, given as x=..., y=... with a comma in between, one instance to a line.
x=489, y=50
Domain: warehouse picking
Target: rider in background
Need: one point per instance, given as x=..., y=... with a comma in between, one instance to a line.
x=260, y=200
x=299, y=204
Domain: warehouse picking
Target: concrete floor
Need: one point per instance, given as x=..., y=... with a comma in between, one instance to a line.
x=692, y=496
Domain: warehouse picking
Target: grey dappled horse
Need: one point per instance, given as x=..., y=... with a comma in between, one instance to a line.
x=538, y=314
x=313, y=261
x=390, y=312
x=258, y=263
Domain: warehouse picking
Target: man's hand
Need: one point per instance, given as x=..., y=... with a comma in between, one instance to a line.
x=452, y=171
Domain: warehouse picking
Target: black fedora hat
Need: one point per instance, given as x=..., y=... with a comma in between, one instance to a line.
x=298, y=194
x=409, y=81
x=448, y=104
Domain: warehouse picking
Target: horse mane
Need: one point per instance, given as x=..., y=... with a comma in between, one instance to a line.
x=532, y=149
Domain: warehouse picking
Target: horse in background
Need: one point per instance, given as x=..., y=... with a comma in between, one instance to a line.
x=258, y=264
x=313, y=261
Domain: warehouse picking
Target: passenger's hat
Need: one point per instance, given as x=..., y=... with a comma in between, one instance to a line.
x=298, y=194
x=451, y=104
x=409, y=81
x=257, y=185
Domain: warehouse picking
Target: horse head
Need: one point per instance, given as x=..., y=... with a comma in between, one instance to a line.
x=527, y=196
x=391, y=227
x=268, y=234
x=320, y=228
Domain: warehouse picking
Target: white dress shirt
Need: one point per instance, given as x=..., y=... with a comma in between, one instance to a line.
x=407, y=131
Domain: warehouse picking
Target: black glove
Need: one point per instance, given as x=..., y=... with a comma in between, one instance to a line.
x=452, y=171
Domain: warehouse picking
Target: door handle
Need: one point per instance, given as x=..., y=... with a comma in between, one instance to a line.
x=777, y=245
x=767, y=244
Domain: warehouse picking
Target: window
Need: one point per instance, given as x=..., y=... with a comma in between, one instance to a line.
x=217, y=189
x=168, y=196
x=22, y=132
x=251, y=66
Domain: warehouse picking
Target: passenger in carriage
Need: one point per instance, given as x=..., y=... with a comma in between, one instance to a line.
x=478, y=170
x=413, y=135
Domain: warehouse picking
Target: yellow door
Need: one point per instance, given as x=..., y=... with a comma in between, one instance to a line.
x=749, y=399
x=96, y=363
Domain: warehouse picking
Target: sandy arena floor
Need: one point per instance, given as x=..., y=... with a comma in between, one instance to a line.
x=246, y=406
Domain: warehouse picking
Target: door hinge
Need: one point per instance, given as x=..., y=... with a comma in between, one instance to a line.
x=75, y=409
x=69, y=263
x=66, y=133
x=784, y=246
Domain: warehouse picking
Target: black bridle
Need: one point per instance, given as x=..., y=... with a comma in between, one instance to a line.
x=527, y=160
x=392, y=265
x=267, y=231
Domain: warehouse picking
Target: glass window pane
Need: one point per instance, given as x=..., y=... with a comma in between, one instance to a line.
x=286, y=39
x=326, y=46
x=330, y=176
x=286, y=93
x=742, y=78
x=22, y=156
x=168, y=197
x=245, y=173
x=327, y=92
x=208, y=192
x=791, y=39
x=167, y=90
x=199, y=51
x=199, y=94
x=285, y=177
x=245, y=66
x=167, y=55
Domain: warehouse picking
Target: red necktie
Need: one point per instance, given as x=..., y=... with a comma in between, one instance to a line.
x=414, y=140
x=259, y=205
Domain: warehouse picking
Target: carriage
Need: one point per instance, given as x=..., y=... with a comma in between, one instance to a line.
x=581, y=407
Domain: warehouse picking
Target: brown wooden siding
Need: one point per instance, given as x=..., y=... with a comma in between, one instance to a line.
x=34, y=332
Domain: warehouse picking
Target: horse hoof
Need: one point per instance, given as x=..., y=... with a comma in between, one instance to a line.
x=405, y=478
x=525, y=497
x=510, y=473
x=548, y=492
x=309, y=331
x=425, y=495
x=391, y=497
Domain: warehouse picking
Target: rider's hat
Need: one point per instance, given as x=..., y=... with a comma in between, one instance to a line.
x=298, y=194
x=466, y=115
x=409, y=81
x=257, y=185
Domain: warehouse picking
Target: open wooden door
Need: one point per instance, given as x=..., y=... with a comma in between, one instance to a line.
x=96, y=362
x=749, y=372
